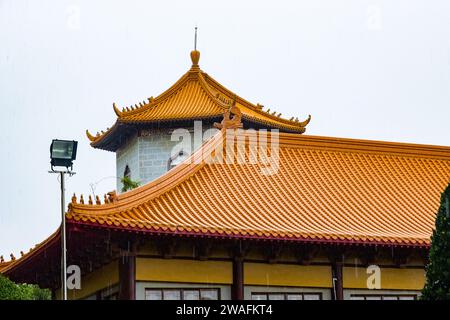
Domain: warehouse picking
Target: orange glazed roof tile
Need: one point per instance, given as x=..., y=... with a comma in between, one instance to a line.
x=194, y=96
x=326, y=189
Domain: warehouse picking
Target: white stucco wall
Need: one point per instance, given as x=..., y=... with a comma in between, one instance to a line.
x=155, y=148
x=128, y=154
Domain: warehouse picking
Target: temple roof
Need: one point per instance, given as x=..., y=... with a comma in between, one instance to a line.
x=195, y=96
x=326, y=189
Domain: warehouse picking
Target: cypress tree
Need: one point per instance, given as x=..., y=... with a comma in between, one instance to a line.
x=437, y=286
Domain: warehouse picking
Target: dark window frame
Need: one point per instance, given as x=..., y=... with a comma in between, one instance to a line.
x=381, y=296
x=181, y=153
x=127, y=172
x=181, y=290
x=285, y=294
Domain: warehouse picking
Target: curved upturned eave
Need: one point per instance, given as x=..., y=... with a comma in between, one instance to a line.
x=38, y=249
x=98, y=140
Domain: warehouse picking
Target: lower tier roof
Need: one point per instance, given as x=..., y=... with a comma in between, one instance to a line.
x=331, y=189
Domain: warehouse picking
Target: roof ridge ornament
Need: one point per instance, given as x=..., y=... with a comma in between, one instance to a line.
x=195, y=54
x=90, y=136
x=112, y=196
x=195, y=57
x=116, y=110
x=303, y=123
x=228, y=122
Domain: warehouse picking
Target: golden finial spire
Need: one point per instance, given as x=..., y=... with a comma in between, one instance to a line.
x=195, y=55
x=195, y=39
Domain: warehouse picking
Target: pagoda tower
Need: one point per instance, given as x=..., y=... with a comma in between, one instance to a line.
x=143, y=135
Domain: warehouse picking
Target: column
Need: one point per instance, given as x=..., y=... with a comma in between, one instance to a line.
x=338, y=291
x=237, y=288
x=127, y=273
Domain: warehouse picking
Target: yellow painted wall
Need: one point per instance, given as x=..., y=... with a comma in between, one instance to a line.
x=391, y=278
x=220, y=272
x=180, y=270
x=92, y=282
x=287, y=275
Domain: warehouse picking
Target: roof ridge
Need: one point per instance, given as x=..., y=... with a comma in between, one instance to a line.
x=365, y=145
x=194, y=74
x=214, y=96
x=258, y=108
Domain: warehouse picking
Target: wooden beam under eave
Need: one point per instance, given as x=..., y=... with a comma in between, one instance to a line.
x=306, y=254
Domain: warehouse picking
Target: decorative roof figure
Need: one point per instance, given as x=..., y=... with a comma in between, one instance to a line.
x=228, y=122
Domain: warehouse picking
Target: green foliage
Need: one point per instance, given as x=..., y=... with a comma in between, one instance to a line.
x=11, y=291
x=129, y=184
x=437, y=286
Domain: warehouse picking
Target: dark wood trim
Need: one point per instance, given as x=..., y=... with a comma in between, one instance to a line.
x=285, y=294
x=382, y=296
x=167, y=247
x=248, y=238
x=237, y=288
x=336, y=273
x=127, y=272
x=305, y=254
x=273, y=253
x=401, y=257
x=181, y=290
x=203, y=249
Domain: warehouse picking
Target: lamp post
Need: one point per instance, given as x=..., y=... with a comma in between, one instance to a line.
x=62, y=154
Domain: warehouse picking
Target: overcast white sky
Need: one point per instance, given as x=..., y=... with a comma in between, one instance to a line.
x=363, y=69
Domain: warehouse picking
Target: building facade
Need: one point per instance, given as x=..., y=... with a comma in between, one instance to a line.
x=237, y=203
